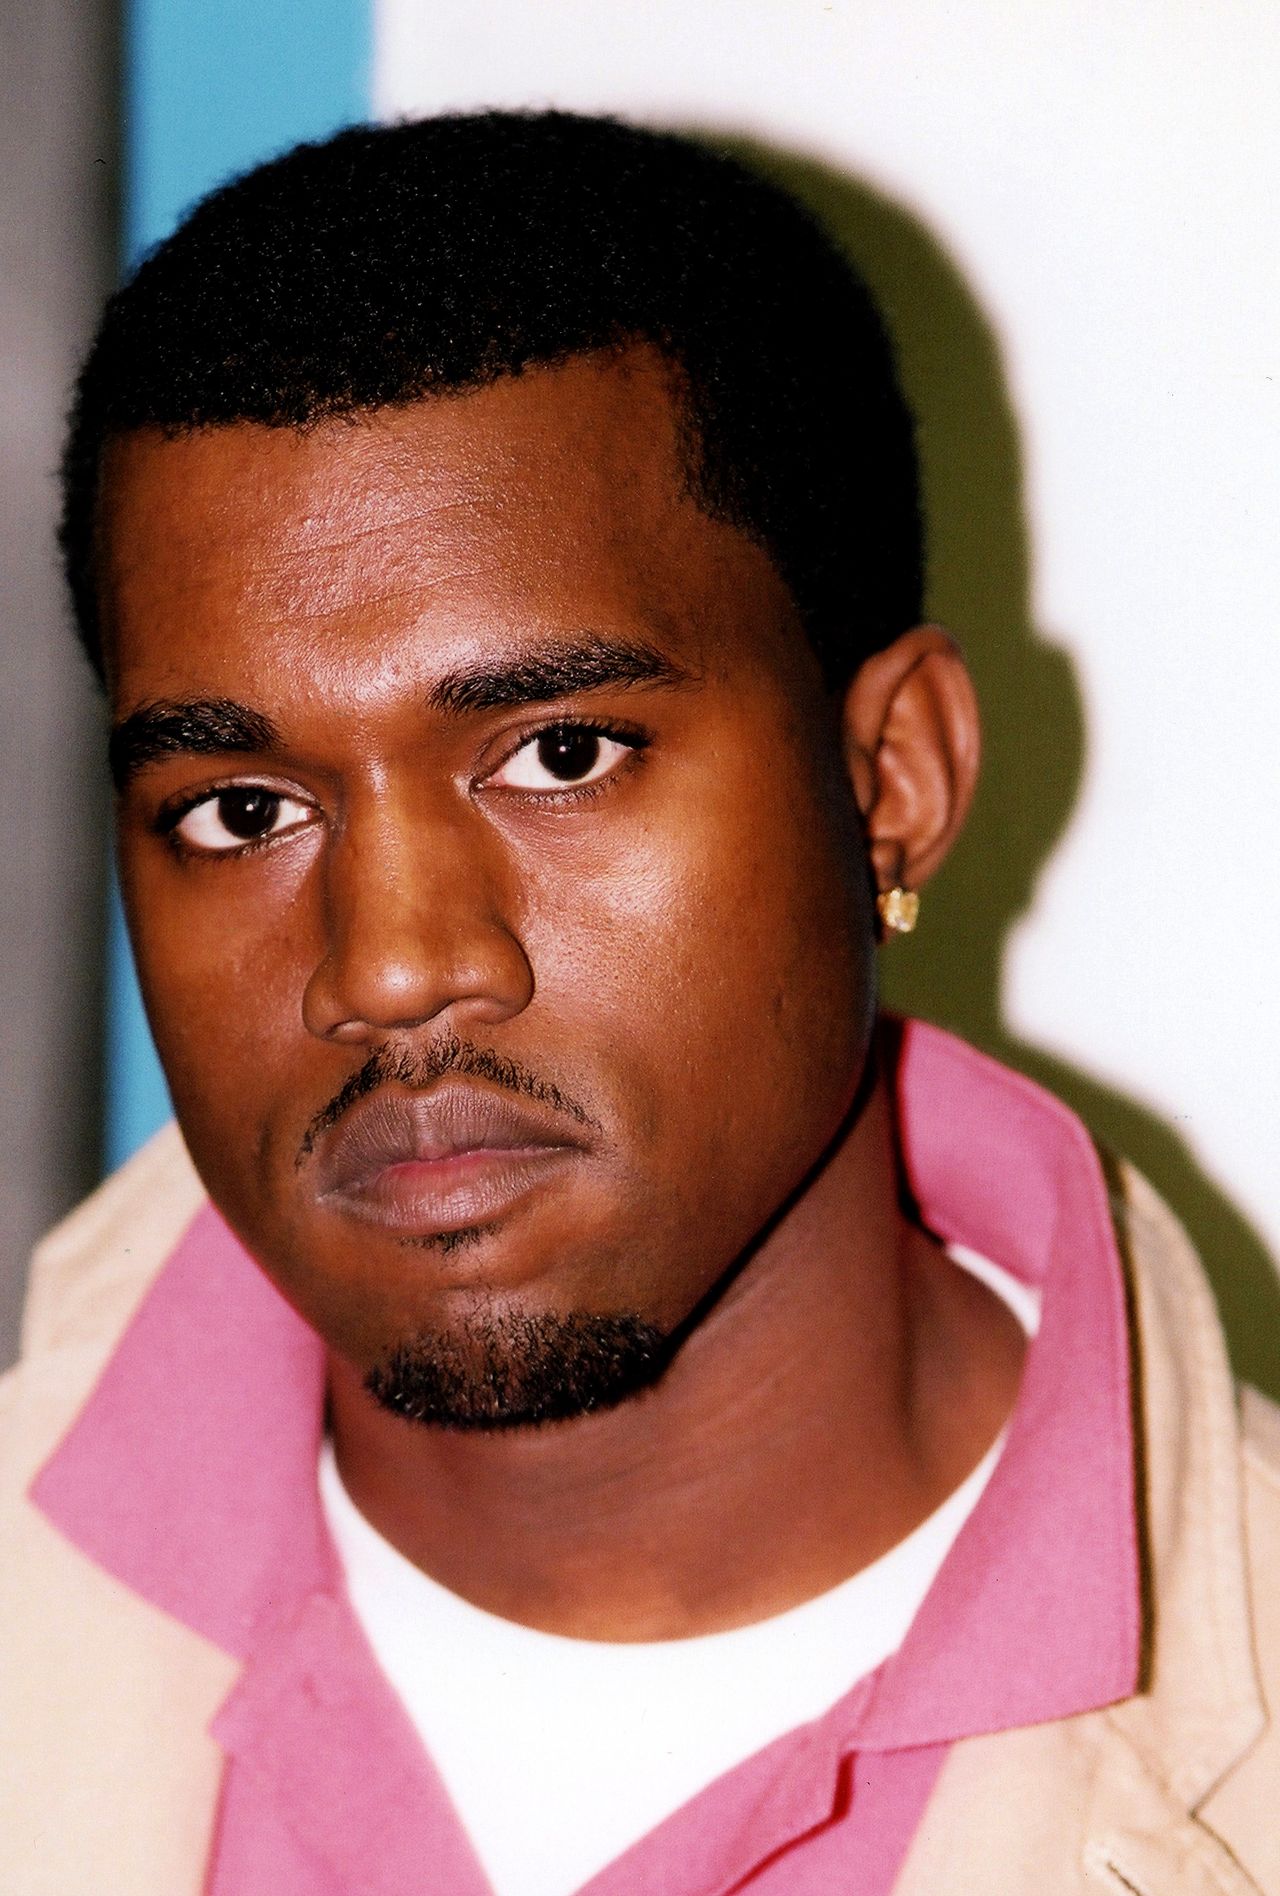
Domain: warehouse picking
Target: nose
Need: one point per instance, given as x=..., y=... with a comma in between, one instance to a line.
x=414, y=929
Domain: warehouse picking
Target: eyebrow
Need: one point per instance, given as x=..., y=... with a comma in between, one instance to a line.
x=211, y=727
x=200, y=727
x=590, y=663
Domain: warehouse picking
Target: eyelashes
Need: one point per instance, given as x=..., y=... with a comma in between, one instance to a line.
x=234, y=818
x=567, y=761
x=570, y=755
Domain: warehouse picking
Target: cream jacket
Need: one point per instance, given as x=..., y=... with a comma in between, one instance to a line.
x=110, y=1780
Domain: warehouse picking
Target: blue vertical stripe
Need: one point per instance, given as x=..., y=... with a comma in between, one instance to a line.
x=211, y=87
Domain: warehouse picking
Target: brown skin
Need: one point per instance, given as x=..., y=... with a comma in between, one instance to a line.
x=687, y=953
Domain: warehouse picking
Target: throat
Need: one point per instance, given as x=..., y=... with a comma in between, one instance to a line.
x=755, y=1475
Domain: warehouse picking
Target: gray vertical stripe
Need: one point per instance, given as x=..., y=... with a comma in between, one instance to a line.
x=57, y=239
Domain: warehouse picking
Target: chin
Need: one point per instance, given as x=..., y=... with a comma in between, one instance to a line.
x=504, y=1368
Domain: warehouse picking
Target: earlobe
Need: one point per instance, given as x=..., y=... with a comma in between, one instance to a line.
x=912, y=749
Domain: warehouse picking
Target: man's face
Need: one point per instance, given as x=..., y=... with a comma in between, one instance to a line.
x=496, y=885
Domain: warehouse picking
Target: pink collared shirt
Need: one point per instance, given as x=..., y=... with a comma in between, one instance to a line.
x=190, y=1474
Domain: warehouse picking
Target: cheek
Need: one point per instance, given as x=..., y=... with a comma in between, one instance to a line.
x=720, y=966
x=223, y=953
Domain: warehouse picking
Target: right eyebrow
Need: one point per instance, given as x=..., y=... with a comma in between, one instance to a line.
x=559, y=668
x=200, y=727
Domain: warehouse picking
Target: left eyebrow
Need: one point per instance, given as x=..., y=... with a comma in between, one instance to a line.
x=556, y=671
x=200, y=727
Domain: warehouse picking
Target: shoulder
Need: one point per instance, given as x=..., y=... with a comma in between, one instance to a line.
x=91, y=1268
x=1207, y=1722
x=1241, y=1809
x=111, y=1776
x=86, y=1280
x=1260, y=1443
x=1260, y=1433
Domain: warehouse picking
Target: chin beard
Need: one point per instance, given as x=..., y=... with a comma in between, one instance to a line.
x=509, y=1371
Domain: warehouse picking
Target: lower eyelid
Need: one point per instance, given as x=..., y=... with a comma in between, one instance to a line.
x=172, y=825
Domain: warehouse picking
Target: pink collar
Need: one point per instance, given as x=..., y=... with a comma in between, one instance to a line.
x=190, y=1473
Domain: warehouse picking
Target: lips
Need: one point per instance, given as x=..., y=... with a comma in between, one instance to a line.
x=422, y=1163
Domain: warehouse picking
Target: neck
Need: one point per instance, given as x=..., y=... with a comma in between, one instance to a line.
x=847, y=1380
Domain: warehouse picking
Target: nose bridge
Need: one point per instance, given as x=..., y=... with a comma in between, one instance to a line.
x=414, y=920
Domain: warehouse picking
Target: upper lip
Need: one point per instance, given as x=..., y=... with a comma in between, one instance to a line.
x=392, y=1127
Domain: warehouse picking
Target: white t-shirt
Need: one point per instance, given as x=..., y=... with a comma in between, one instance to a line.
x=560, y=1753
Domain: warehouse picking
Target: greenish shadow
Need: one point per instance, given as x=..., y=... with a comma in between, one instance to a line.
x=1034, y=732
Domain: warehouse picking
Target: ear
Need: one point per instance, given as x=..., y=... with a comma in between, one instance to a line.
x=912, y=740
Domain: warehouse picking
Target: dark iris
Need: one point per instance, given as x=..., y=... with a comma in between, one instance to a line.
x=248, y=813
x=568, y=751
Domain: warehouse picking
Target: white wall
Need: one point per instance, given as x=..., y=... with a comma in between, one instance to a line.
x=1107, y=178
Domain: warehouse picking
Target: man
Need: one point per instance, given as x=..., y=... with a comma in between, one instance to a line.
x=620, y=1418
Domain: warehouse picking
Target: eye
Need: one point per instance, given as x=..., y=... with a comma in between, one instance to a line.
x=563, y=757
x=231, y=819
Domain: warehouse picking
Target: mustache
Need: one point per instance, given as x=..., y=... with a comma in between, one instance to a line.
x=420, y=1067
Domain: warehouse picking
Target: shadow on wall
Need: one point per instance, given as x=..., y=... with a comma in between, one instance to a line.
x=1033, y=720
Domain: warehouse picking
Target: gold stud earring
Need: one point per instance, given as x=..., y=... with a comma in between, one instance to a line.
x=899, y=910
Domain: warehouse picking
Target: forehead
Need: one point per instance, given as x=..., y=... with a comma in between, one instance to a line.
x=556, y=499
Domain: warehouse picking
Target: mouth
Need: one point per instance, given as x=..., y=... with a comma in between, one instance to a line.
x=421, y=1164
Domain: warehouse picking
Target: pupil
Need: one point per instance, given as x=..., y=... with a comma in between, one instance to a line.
x=247, y=813
x=568, y=752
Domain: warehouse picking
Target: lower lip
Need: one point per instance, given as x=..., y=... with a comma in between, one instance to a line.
x=421, y=1197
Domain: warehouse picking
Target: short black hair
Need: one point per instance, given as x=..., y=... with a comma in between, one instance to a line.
x=390, y=263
